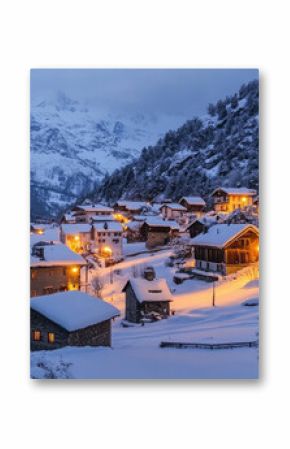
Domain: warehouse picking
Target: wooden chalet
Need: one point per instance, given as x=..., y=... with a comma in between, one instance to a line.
x=84, y=213
x=146, y=299
x=226, y=248
x=158, y=232
x=193, y=204
x=172, y=211
x=227, y=199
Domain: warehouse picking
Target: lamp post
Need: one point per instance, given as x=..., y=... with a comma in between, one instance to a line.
x=213, y=293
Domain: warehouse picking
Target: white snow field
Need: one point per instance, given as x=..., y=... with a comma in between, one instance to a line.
x=136, y=352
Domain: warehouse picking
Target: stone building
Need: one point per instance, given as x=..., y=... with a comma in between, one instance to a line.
x=147, y=299
x=227, y=199
x=70, y=319
x=226, y=248
x=108, y=240
x=54, y=267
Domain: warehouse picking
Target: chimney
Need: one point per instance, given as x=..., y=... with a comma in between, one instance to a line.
x=149, y=274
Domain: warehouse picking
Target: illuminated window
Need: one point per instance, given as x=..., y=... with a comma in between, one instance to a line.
x=36, y=335
x=33, y=274
x=50, y=337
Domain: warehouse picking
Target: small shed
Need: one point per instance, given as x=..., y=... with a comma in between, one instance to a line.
x=70, y=318
x=145, y=299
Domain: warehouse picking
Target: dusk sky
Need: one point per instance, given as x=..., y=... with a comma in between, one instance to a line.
x=174, y=91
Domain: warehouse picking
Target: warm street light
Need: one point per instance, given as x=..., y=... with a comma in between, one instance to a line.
x=74, y=269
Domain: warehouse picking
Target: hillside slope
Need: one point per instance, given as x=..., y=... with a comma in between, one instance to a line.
x=220, y=148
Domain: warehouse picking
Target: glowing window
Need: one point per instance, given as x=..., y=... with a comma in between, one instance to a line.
x=50, y=337
x=36, y=335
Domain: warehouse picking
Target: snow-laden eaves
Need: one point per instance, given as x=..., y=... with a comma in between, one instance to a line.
x=77, y=228
x=150, y=291
x=236, y=191
x=220, y=235
x=193, y=200
x=57, y=254
x=73, y=310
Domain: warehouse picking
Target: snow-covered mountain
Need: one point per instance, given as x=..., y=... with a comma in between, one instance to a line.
x=220, y=148
x=74, y=145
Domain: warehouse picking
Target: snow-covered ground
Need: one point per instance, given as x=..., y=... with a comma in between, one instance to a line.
x=135, y=351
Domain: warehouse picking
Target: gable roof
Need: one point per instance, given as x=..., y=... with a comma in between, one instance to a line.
x=221, y=235
x=94, y=208
x=236, y=191
x=150, y=291
x=108, y=226
x=76, y=228
x=193, y=200
x=174, y=206
x=73, y=310
x=55, y=254
x=132, y=205
x=159, y=222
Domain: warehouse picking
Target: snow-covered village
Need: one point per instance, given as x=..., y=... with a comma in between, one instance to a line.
x=149, y=270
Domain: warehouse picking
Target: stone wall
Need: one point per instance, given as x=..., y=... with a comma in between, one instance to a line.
x=96, y=335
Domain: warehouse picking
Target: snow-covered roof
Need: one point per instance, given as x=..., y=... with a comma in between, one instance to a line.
x=94, y=208
x=206, y=220
x=55, y=254
x=222, y=234
x=159, y=222
x=76, y=228
x=103, y=218
x=134, y=225
x=73, y=310
x=150, y=291
x=193, y=200
x=108, y=226
x=132, y=205
x=236, y=191
x=174, y=206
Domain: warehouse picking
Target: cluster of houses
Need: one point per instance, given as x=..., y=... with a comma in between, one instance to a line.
x=223, y=240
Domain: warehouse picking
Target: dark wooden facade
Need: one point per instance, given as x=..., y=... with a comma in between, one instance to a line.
x=239, y=254
x=135, y=310
x=96, y=335
x=195, y=228
x=193, y=208
x=155, y=235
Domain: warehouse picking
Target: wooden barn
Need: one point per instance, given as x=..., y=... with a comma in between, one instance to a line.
x=147, y=299
x=70, y=319
x=226, y=248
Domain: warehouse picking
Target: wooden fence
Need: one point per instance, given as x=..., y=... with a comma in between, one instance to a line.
x=233, y=345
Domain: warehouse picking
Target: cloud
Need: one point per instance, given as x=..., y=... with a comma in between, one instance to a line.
x=160, y=91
